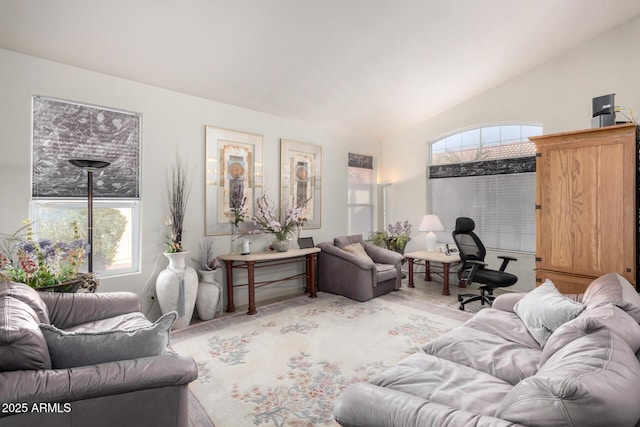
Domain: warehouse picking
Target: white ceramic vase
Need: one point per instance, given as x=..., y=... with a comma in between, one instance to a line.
x=209, y=293
x=177, y=288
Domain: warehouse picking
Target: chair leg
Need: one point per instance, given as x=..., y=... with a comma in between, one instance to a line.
x=473, y=298
x=486, y=295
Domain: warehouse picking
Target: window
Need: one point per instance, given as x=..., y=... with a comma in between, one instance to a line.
x=360, y=186
x=487, y=174
x=63, y=131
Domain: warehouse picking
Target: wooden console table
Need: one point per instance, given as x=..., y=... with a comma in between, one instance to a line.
x=257, y=260
x=425, y=258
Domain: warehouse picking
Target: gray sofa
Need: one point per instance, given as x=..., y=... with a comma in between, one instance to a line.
x=493, y=371
x=358, y=274
x=47, y=379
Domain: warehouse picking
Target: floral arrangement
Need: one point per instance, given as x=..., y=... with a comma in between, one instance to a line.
x=395, y=237
x=178, y=189
x=281, y=227
x=42, y=263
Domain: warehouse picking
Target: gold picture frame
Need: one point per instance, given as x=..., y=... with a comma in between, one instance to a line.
x=233, y=175
x=301, y=179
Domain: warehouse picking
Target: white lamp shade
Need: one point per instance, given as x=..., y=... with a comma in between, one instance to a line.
x=431, y=223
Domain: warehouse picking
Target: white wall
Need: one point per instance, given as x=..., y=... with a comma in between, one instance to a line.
x=557, y=95
x=169, y=119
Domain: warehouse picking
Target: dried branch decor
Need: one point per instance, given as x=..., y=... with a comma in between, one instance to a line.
x=178, y=189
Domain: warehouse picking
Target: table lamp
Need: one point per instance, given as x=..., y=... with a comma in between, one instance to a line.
x=431, y=223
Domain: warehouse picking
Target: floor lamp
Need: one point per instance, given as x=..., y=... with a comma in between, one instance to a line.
x=384, y=186
x=89, y=166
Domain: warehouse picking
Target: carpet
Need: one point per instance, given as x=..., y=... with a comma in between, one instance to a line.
x=286, y=365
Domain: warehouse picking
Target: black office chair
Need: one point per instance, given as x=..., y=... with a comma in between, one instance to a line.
x=472, y=253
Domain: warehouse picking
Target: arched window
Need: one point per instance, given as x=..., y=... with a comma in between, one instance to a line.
x=487, y=174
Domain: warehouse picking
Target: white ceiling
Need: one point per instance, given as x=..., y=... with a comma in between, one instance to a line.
x=372, y=67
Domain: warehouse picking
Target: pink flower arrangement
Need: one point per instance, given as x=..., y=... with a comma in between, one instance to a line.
x=281, y=227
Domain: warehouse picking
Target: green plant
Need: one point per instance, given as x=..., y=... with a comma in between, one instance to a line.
x=396, y=237
x=43, y=262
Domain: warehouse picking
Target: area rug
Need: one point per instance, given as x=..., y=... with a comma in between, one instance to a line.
x=286, y=365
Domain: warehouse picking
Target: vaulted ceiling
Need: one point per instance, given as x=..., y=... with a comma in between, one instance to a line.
x=371, y=67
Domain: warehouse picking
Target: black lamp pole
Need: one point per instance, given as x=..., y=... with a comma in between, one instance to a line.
x=89, y=166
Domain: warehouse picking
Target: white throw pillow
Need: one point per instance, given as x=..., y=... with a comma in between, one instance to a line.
x=358, y=250
x=544, y=309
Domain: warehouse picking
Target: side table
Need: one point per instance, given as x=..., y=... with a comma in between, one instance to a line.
x=254, y=261
x=426, y=258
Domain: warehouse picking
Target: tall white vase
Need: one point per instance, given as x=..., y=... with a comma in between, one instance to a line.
x=209, y=293
x=177, y=288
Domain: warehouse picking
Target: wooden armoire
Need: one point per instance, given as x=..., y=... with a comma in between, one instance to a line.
x=586, y=206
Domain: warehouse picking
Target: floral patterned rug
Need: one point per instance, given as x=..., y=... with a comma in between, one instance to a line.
x=286, y=365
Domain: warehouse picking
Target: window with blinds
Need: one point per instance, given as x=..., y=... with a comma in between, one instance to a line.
x=361, y=184
x=487, y=174
x=65, y=130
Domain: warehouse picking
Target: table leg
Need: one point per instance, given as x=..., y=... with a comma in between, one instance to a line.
x=229, y=268
x=252, y=287
x=427, y=270
x=311, y=274
x=410, y=262
x=445, y=279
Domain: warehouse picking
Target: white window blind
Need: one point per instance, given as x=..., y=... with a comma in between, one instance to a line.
x=502, y=206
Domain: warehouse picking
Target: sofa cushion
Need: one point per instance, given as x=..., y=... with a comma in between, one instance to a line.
x=613, y=288
x=604, y=316
x=594, y=380
x=494, y=342
x=544, y=309
x=447, y=383
x=29, y=296
x=22, y=344
x=386, y=272
x=128, y=321
x=71, y=349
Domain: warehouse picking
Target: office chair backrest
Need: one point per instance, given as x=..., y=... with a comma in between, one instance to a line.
x=469, y=244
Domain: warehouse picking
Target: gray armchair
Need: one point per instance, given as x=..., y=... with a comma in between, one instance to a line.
x=143, y=391
x=356, y=274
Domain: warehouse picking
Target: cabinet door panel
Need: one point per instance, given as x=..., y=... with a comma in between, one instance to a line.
x=586, y=223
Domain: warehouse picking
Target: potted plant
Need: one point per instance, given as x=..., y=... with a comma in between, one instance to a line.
x=177, y=285
x=45, y=264
x=281, y=227
x=395, y=238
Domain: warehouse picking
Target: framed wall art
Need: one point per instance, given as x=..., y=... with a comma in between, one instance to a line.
x=300, y=179
x=233, y=177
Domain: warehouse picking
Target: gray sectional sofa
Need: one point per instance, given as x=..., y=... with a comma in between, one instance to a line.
x=87, y=360
x=525, y=361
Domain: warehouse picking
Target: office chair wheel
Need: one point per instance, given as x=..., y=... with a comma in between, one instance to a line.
x=461, y=307
x=460, y=300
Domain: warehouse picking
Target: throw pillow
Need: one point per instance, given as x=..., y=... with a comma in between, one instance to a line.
x=358, y=250
x=71, y=349
x=544, y=309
